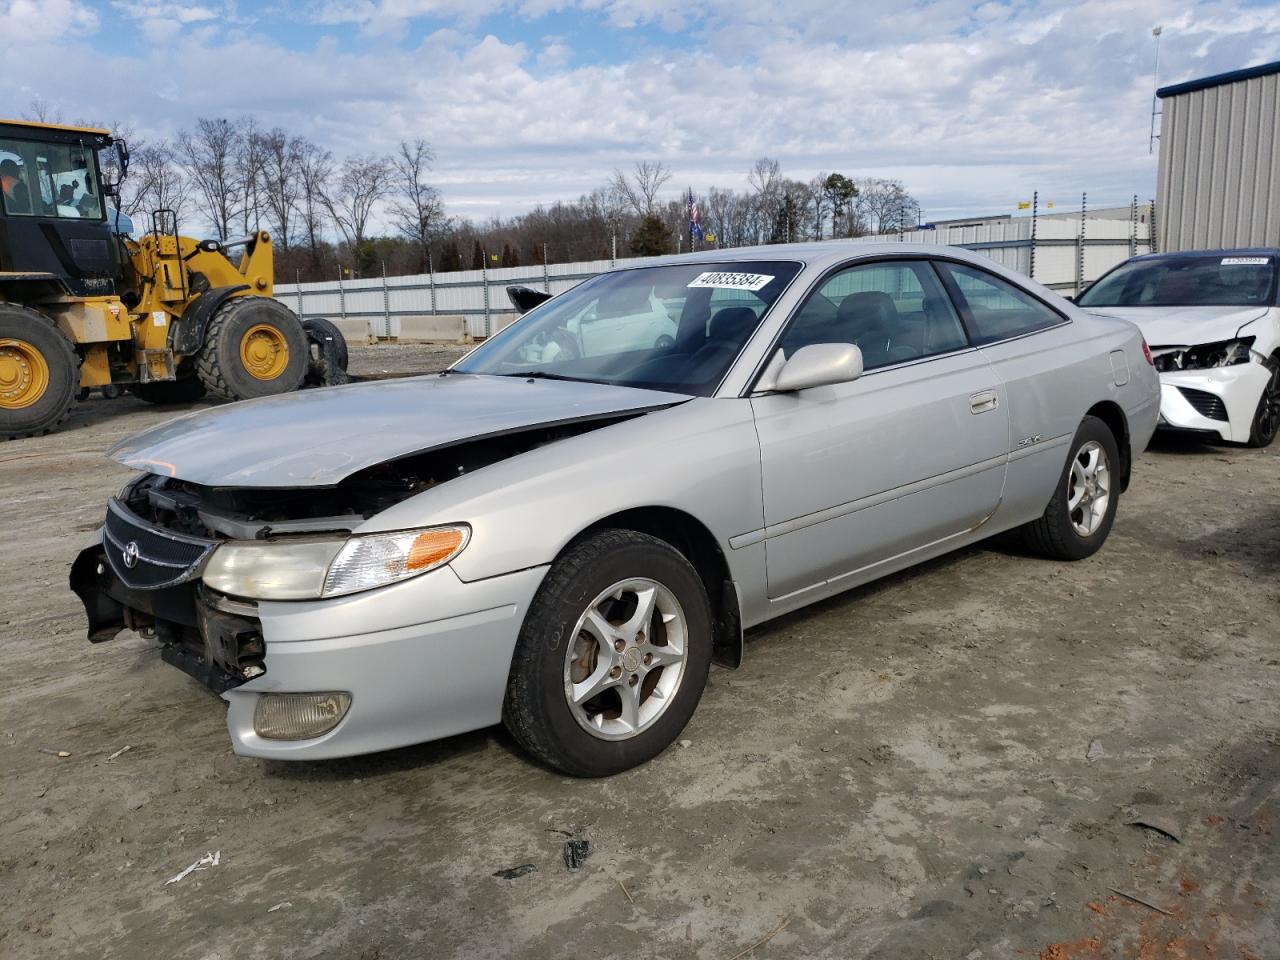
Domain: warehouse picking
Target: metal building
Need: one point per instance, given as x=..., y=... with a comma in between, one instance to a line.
x=1219, y=177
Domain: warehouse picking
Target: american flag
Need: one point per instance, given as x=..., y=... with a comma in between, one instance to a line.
x=695, y=228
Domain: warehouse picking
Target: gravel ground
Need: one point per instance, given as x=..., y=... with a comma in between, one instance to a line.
x=943, y=764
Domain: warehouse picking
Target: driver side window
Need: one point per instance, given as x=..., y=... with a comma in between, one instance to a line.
x=894, y=311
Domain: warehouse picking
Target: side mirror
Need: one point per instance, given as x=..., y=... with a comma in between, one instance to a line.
x=819, y=365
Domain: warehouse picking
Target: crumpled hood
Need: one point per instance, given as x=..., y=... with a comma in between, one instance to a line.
x=1184, y=326
x=318, y=437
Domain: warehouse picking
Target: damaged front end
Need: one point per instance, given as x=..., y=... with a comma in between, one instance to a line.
x=144, y=569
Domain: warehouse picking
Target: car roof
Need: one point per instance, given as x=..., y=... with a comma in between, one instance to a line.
x=815, y=253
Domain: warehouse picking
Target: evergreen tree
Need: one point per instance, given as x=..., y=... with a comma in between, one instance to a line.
x=787, y=222
x=450, y=257
x=651, y=238
x=477, y=257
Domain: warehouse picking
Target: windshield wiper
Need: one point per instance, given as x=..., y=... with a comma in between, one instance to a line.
x=543, y=375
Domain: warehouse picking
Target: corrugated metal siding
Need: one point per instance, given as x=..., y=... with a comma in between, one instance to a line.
x=1218, y=183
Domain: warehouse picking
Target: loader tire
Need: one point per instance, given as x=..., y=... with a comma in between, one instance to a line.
x=254, y=347
x=39, y=374
x=320, y=327
x=186, y=390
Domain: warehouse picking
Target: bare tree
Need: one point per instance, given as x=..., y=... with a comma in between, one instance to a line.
x=361, y=184
x=315, y=168
x=250, y=156
x=765, y=177
x=884, y=206
x=639, y=189
x=42, y=111
x=155, y=181
x=417, y=208
x=209, y=155
x=282, y=181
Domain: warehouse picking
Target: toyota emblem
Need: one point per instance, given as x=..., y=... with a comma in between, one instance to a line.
x=130, y=554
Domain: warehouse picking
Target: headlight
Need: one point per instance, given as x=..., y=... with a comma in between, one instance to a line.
x=311, y=569
x=284, y=570
x=1205, y=356
x=381, y=558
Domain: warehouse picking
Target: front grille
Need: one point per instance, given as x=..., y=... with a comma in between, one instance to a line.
x=146, y=557
x=1206, y=404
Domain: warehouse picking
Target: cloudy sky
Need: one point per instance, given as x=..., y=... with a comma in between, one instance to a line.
x=973, y=105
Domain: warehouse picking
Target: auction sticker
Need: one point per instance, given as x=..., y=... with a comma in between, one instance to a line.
x=1241, y=261
x=731, y=281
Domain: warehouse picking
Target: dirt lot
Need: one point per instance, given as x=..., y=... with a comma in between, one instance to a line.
x=943, y=765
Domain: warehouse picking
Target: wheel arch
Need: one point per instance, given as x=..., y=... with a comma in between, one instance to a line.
x=690, y=537
x=1110, y=413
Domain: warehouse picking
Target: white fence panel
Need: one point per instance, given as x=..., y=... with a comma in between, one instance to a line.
x=1059, y=257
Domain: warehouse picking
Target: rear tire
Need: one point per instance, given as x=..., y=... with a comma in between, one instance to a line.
x=186, y=390
x=327, y=328
x=1078, y=519
x=254, y=347
x=1266, y=419
x=598, y=685
x=39, y=373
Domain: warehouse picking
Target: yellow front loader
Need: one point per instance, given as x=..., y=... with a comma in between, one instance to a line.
x=83, y=304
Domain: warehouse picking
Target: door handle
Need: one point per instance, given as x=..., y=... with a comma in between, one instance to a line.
x=984, y=400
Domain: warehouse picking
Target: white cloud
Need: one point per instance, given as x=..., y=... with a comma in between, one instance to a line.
x=973, y=107
x=27, y=21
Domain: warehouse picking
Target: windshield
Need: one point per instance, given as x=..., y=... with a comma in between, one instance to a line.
x=675, y=328
x=49, y=179
x=1200, y=281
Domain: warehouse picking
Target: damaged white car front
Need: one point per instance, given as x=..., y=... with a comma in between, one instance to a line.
x=1213, y=322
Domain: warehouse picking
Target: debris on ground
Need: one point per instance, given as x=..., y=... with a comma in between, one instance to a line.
x=123, y=750
x=55, y=753
x=576, y=853
x=279, y=906
x=763, y=940
x=511, y=873
x=1135, y=899
x=208, y=860
x=1095, y=750
x=1161, y=825
x=686, y=743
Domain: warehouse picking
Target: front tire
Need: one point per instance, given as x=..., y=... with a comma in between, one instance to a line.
x=613, y=655
x=1078, y=519
x=1266, y=419
x=254, y=347
x=39, y=374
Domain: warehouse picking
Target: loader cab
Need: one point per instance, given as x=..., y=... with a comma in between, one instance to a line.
x=53, y=214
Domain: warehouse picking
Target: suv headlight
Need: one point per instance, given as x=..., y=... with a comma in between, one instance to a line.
x=311, y=569
x=1225, y=353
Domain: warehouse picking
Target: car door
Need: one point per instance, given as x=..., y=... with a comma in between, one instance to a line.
x=1041, y=362
x=911, y=453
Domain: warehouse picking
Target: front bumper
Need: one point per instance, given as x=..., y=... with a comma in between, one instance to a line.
x=422, y=659
x=1221, y=400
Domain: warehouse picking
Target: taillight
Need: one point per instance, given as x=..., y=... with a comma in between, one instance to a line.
x=1146, y=352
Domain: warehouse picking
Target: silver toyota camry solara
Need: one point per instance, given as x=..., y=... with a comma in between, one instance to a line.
x=568, y=527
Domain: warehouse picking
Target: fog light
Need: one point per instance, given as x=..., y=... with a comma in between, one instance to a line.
x=298, y=716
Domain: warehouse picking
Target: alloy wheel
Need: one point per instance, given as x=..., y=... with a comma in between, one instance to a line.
x=626, y=659
x=1088, y=488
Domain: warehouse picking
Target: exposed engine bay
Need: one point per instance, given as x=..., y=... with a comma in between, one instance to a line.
x=258, y=513
x=144, y=575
